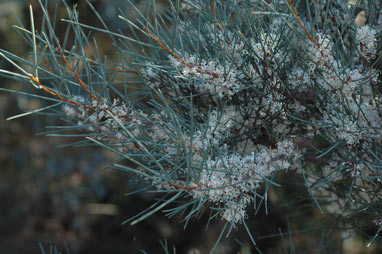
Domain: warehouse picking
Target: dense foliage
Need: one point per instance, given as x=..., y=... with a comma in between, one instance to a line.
x=231, y=94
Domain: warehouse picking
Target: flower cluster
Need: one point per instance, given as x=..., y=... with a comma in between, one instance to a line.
x=366, y=37
x=106, y=119
x=231, y=179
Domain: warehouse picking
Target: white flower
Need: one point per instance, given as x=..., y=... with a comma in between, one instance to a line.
x=68, y=110
x=366, y=37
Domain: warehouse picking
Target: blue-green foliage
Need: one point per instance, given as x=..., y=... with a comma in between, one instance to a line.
x=209, y=101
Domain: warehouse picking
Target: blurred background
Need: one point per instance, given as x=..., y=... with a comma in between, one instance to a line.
x=50, y=195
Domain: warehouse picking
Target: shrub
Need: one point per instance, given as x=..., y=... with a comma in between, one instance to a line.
x=230, y=95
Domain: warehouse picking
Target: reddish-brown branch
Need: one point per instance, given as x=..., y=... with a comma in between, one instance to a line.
x=36, y=81
x=212, y=7
x=300, y=23
x=164, y=47
x=75, y=74
x=213, y=13
x=180, y=60
x=183, y=187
